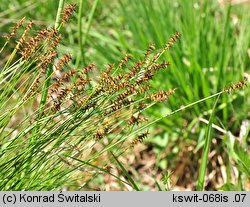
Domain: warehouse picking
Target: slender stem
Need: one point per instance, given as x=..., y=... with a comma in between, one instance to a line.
x=59, y=12
x=50, y=69
x=3, y=46
x=152, y=122
x=206, y=149
x=92, y=12
x=80, y=27
x=240, y=188
x=45, y=89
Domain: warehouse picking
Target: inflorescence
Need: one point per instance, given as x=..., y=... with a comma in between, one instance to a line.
x=119, y=95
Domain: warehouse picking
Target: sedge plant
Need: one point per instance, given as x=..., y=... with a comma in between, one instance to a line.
x=58, y=123
x=54, y=115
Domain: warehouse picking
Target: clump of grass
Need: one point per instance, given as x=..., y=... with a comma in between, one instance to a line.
x=60, y=122
x=56, y=115
x=198, y=70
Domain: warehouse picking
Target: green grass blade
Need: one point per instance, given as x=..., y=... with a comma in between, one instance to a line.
x=204, y=159
x=126, y=173
x=80, y=27
x=158, y=185
x=59, y=12
x=83, y=42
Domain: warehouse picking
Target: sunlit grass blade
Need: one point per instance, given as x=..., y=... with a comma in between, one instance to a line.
x=82, y=40
x=134, y=185
x=206, y=148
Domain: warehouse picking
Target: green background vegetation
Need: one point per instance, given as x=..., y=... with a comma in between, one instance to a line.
x=213, y=53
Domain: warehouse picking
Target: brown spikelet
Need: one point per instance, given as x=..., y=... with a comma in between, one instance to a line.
x=47, y=59
x=110, y=83
x=62, y=94
x=80, y=84
x=55, y=86
x=148, y=76
x=172, y=40
x=238, y=85
x=162, y=95
x=56, y=106
x=156, y=57
x=22, y=39
x=136, y=120
x=88, y=68
x=68, y=12
x=124, y=60
x=150, y=49
x=142, y=119
x=30, y=24
x=63, y=61
x=142, y=89
x=43, y=33
x=125, y=94
x=139, y=139
x=100, y=133
x=20, y=44
x=55, y=42
x=155, y=67
x=53, y=89
x=133, y=120
x=142, y=106
x=117, y=107
x=14, y=29
x=108, y=69
x=59, y=82
x=30, y=46
x=69, y=75
x=134, y=70
x=52, y=33
x=123, y=85
x=127, y=101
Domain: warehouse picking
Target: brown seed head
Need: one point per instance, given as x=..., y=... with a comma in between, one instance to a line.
x=150, y=49
x=139, y=138
x=100, y=133
x=14, y=29
x=155, y=67
x=88, y=68
x=63, y=61
x=238, y=85
x=47, y=59
x=162, y=95
x=68, y=12
x=172, y=40
x=55, y=42
x=124, y=60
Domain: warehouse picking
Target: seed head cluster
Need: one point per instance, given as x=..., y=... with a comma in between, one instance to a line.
x=108, y=103
x=140, y=138
x=172, y=40
x=84, y=106
x=67, y=13
x=238, y=85
x=117, y=96
x=15, y=28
